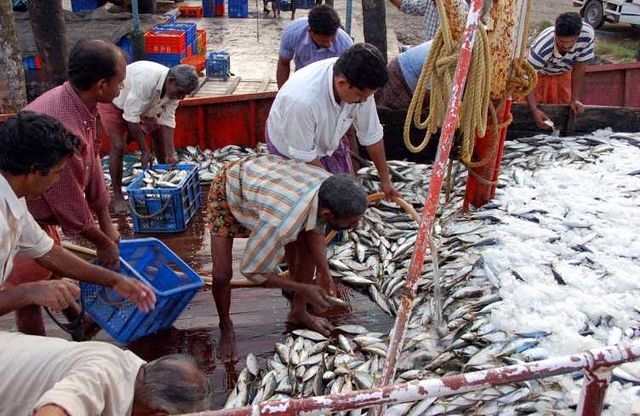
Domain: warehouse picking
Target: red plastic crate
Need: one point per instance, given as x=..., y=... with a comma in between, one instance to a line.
x=165, y=41
x=202, y=41
x=190, y=11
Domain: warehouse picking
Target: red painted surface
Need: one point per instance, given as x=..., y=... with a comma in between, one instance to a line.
x=478, y=193
x=614, y=85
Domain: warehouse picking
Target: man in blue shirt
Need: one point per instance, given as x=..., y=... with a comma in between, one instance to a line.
x=311, y=39
x=404, y=71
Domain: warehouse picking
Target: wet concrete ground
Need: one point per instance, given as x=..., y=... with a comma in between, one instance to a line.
x=259, y=315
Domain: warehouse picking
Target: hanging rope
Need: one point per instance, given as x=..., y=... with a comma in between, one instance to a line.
x=477, y=112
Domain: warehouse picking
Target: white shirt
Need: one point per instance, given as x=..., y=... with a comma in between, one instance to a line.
x=306, y=122
x=84, y=378
x=19, y=232
x=140, y=95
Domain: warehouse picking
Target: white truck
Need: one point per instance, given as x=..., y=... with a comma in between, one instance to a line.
x=596, y=12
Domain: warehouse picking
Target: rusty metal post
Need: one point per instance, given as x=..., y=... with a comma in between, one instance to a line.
x=594, y=360
x=593, y=391
x=428, y=218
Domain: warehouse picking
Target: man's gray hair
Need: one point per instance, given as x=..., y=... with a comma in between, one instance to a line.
x=343, y=196
x=174, y=384
x=185, y=76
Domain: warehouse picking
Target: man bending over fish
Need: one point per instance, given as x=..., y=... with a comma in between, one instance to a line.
x=282, y=206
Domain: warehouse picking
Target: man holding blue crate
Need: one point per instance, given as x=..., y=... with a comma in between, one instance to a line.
x=80, y=197
x=34, y=152
x=146, y=104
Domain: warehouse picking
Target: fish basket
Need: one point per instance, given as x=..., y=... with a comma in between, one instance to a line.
x=83, y=5
x=191, y=11
x=238, y=8
x=164, y=210
x=218, y=65
x=165, y=42
x=171, y=279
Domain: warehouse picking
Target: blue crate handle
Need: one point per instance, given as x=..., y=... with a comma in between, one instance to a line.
x=162, y=208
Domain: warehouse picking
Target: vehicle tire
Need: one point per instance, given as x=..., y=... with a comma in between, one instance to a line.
x=593, y=13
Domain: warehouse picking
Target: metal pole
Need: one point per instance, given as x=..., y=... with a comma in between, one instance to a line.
x=593, y=391
x=347, y=23
x=593, y=360
x=428, y=218
x=137, y=39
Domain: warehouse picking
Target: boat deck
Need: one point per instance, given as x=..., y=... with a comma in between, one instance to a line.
x=258, y=314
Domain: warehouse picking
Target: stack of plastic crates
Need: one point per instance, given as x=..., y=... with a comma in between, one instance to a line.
x=166, y=210
x=238, y=8
x=32, y=62
x=218, y=65
x=305, y=4
x=166, y=47
x=171, y=279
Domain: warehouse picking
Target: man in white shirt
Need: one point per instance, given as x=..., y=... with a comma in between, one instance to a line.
x=320, y=102
x=53, y=377
x=34, y=149
x=146, y=105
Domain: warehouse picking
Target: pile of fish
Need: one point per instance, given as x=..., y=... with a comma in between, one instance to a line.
x=208, y=161
x=161, y=178
x=456, y=331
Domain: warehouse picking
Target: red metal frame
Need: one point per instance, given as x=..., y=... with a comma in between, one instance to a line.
x=435, y=185
x=596, y=362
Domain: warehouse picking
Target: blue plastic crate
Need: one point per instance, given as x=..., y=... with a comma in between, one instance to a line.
x=82, y=5
x=164, y=210
x=207, y=8
x=188, y=28
x=127, y=47
x=218, y=65
x=238, y=8
x=166, y=59
x=150, y=261
x=305, y=4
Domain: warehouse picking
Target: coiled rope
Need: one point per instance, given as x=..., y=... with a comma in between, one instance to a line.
x=477, y=111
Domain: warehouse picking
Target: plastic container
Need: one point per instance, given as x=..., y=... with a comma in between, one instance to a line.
x=197, y=61
x=165, y=41
x=32, y=62
x=305, y=4
x=191, y=11
x=218, y=8
x=218, y=65
x=189, y=30
x=150, y=261
x=165, y=210
x=83, y=5
x=238, y=8
x=167, y=59
x=284, y=5
x=208, y=7
x=127, y=47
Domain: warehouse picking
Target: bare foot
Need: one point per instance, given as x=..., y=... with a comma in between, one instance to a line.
x=315, y=323
x=227, y=344
x=120, y=206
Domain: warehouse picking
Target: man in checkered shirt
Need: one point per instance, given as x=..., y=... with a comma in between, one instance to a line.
x=429, y=9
